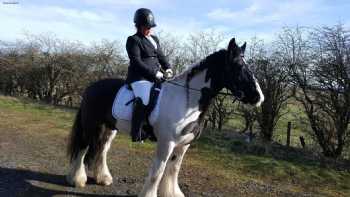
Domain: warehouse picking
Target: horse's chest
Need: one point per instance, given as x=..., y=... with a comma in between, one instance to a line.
x=188, y=118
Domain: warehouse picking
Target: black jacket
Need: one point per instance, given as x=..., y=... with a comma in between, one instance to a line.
x=145, y=60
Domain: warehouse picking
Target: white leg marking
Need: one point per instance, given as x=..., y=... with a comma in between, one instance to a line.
x=102, y=174
x=169, y=186
x=77, y=174
x=150, y=187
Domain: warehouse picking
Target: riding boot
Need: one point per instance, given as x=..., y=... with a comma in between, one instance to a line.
x=138, y=116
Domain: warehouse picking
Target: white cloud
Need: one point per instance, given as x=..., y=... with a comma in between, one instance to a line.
x=222, y=14
x=265, y=18
x=73, y=14
x=177, y=27
x=51, y=13
x=263, y=12
x=123, y=3
x=73, y=24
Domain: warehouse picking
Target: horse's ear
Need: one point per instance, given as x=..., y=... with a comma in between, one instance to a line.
x=243, y=47
x=232, y=44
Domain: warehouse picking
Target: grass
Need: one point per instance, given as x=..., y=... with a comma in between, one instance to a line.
x=213, y=165
x=293, y=113
x=301, y=175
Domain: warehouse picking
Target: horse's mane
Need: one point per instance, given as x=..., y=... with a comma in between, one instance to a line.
x=211, y=62
x=215, y=58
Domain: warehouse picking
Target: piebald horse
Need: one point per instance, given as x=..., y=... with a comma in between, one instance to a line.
x=182, y=108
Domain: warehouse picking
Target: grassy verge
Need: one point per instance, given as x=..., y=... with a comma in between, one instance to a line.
x=275, y=165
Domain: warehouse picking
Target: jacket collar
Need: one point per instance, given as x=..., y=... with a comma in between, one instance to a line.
x=147, y=41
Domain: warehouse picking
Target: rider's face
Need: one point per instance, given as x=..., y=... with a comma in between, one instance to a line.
x=146, y=31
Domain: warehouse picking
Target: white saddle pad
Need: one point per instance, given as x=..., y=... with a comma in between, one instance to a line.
x=124, y=112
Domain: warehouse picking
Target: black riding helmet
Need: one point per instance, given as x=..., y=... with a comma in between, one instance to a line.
x=144, y=17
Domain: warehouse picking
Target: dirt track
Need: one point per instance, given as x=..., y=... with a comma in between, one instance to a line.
x=33, y=163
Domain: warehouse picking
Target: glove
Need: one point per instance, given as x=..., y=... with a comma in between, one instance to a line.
x=159, y=75
x=168, y=73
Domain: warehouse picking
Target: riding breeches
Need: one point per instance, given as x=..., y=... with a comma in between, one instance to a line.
x=142, y=89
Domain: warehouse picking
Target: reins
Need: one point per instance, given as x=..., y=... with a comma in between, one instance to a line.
x=197, y=90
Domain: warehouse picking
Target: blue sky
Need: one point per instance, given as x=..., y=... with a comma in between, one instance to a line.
x=93, y=20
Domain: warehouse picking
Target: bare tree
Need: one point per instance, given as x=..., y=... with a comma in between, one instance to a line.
x=273, y=79
x=220, y=111
x=202, y=44
x=12, y=67
x=108, y=60
x=172, y=48
x=324, y=83
x=54, y=70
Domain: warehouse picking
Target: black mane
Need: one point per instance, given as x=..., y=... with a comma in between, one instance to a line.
x=212, y=63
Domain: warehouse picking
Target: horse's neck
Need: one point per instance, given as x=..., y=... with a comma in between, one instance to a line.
x=184, y=104
x=191, y=97
x=196, y=82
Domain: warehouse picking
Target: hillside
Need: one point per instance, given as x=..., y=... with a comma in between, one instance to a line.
x=33, y=162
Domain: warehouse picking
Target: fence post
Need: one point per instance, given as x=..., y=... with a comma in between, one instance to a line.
x=288, y=133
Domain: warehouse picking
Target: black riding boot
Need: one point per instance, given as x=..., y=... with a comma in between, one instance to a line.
x=138, y=116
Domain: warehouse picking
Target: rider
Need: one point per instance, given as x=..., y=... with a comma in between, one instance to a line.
x=147, y=62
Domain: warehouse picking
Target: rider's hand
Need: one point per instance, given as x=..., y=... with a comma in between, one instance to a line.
x=159, y=75
x=168, y=73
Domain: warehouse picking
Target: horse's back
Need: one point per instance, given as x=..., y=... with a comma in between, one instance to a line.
x=98, y=98
x=103, y=89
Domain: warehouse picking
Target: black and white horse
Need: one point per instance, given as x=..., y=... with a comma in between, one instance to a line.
x=182, y=107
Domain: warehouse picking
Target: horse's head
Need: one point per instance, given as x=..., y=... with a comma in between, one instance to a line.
x=238, y=78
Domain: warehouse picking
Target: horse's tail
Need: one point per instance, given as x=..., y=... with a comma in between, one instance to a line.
x=92, y=128
x=76, y=141
x=92, y=135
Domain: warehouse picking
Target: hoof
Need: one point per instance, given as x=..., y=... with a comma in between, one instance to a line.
x=80, y=184
x=77, y=182
x=104, y=180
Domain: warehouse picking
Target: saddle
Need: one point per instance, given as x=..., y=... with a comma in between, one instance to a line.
x=154, y=94
x=123, y=107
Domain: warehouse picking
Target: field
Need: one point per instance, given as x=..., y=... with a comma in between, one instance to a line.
x=33, y=162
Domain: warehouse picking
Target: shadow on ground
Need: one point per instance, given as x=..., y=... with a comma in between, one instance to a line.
x=18, y=182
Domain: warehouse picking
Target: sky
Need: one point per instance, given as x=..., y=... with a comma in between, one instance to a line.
x=94, y=20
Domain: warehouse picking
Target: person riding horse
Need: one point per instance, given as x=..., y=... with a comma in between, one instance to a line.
x=147, y=61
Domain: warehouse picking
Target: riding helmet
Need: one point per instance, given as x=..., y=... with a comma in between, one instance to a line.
x=144, y=17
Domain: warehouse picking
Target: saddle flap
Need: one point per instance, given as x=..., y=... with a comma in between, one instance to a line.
x=123, y=108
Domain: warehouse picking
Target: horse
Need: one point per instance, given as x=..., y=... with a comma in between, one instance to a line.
x=182, y=109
